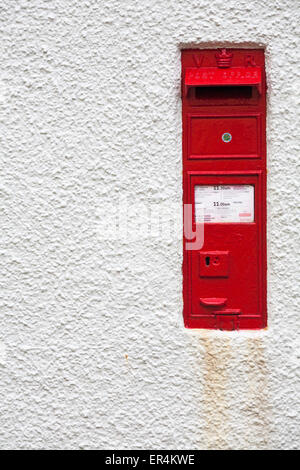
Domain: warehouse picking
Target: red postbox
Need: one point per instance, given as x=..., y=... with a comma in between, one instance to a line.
x=224, y=185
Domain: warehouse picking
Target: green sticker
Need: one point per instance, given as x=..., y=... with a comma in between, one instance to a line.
x=226, y=137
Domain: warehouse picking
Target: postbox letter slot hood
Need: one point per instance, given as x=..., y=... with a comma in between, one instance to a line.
x=214, y=76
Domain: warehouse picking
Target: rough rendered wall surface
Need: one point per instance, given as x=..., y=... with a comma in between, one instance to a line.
x=93, y=353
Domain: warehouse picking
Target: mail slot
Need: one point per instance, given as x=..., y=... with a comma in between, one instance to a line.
x=224, y=185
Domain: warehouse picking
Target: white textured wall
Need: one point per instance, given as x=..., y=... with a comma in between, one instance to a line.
x=93, y=353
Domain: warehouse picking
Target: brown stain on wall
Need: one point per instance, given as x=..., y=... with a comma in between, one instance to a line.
x=215, y=402
x=257, y=406
x=218, y=377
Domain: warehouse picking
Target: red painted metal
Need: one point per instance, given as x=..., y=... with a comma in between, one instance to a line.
x=224, y=282
x=206, y=76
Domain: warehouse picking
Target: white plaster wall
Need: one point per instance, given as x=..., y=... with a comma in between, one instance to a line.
x=92, y=349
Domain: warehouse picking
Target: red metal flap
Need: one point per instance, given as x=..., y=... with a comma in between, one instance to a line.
x=213, y=301
x=213, y=76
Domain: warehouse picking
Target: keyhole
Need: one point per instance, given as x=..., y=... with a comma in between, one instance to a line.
x=207, y=260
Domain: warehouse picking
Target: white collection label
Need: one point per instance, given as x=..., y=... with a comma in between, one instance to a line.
x=224, y=203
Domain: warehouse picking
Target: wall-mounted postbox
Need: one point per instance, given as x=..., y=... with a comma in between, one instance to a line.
x=224, y=186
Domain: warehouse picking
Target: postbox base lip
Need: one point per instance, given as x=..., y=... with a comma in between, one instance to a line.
x=241, y=323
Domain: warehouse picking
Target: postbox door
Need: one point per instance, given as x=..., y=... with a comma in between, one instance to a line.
x=225, y=275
